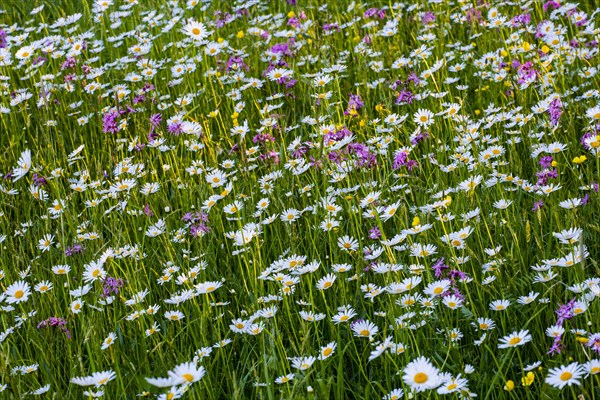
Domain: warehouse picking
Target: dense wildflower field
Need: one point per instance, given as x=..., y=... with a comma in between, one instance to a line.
x=299, y=199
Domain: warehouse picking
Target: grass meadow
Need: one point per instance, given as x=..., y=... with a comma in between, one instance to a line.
x=299, y=199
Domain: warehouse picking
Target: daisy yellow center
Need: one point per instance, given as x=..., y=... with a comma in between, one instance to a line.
x=239, y=325
x=188, y=377
x=210, y=289
x=595, y=370
x=196, y=31
x=452, y=386
x=514, y=341
x=423, y=118
x=344, y=318
x=19, y=294
x=421, y=378
x=438, y=290
x=102, y=381
x=96, y=273
x=483, y=326
x=170, y=396
x=565, y=376
x=364, y=332
x=327, y=351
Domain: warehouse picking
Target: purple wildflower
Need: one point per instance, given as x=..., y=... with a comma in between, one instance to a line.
x=594, y=342
x=111, y=285
x=428, y=17
x=175, y=128
x=374, y=233
x=439, y=267
x=75, y=249
x=555, y=110
x=109, y=122
x=39, y=180
x=58, y=322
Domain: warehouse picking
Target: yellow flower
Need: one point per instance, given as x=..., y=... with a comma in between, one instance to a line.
x=240, y=35
x=526, y=46
x=579, y=159
x=291, y=14
x=554, y=163
x=234, y=115
x=510, y=385
x=545, y=49
x=448, y=200
x=379, y=108
x=220, y=40
x=503, y=53
x=582, y=339
x=528, y=379
x=416, y=221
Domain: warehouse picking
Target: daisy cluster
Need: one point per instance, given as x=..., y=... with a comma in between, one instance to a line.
x=300, y=199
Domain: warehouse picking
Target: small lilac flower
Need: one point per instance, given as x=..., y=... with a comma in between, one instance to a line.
x=374, y=233
x=111, y=285
x=109, y=122
x=58, y=322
